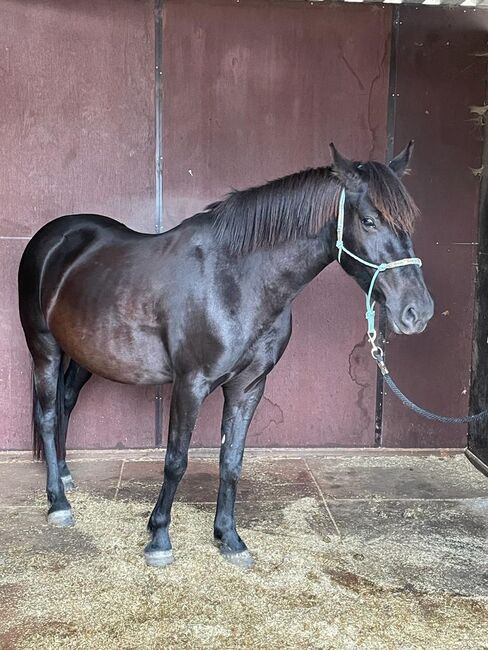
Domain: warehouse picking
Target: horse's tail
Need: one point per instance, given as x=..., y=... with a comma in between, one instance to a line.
x=36, y=436
x=59, y=434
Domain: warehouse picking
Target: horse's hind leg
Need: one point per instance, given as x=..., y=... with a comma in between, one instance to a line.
x=185, y=404
x=75, y=378
x=48, y=416
x=240, y=405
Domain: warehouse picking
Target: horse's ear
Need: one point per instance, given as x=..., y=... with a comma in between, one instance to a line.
x=400, y=163
x=343, y=169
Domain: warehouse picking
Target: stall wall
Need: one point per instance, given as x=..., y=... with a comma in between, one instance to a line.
x=251, y=91
x=441, y=73
x=76, y=135
x=254, y=91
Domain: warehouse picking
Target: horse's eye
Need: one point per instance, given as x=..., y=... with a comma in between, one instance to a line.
x=368, y=222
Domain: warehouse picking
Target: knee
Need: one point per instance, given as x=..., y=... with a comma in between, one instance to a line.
x=175, y=466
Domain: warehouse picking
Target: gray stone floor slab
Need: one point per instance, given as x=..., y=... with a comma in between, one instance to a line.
x=19, y=482
x=99, y=478
x=421, y=544
x=273, y=480
x=26, y=532
x=398, y=477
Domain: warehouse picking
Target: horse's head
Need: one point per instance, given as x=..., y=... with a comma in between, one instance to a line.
x=378, y=224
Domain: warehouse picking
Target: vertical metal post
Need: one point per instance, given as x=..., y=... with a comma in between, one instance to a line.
x=158, y=166
x=390, y=131
x=477, y=450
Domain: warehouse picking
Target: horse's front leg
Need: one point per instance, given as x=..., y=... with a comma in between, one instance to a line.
x=239, y=409
x=185, y=404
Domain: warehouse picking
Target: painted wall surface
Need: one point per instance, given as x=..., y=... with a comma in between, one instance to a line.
x=440, y=75
x=76, y=135
x=253, y=91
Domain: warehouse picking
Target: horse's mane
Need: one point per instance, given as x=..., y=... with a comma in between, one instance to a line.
x=299, y=205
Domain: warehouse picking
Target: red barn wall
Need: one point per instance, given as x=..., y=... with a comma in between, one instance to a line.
x=440, y=75
x=76, y=135
x=251, y=91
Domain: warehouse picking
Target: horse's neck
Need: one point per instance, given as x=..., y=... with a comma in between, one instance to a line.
x=287, y=269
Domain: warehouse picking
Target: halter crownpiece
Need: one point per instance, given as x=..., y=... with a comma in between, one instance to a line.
x=376, y=351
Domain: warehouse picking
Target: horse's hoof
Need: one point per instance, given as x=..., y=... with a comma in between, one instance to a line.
x=243, y=559
x=68, y=483
x=159, y=558
x=61, y=519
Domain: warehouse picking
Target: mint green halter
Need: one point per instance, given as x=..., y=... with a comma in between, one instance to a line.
x=370, y=311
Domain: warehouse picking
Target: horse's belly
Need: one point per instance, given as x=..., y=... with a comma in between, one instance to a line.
x=146, y=367
x=114, y=350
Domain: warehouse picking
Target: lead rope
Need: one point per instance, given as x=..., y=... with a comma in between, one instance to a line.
x=376, y=351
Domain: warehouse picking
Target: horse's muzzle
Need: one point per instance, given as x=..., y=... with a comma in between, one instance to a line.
x=413, y=318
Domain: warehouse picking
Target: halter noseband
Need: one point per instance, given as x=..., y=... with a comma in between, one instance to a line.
x=376, y=351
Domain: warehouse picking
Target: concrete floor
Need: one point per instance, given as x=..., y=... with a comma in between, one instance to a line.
x=352, y=551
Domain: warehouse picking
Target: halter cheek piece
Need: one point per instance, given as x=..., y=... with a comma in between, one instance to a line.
x=376, y=351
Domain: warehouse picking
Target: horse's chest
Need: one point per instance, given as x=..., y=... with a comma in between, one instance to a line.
x=261, y=348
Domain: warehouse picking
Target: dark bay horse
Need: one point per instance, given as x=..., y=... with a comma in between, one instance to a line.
x=205, y=305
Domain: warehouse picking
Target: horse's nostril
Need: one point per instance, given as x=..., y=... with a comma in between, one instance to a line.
x=410, y=315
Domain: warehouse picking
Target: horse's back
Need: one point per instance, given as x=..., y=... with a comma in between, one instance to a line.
x=136, y=308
